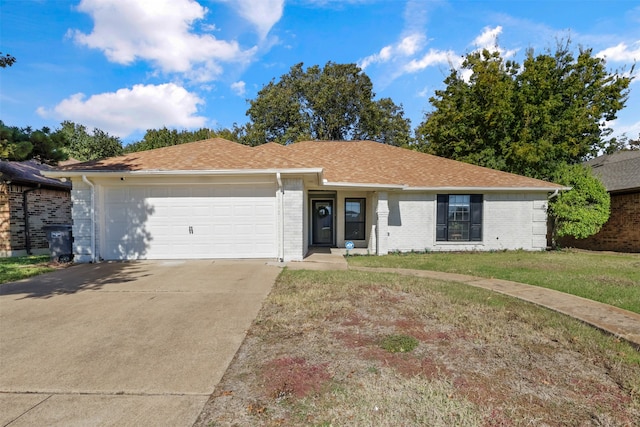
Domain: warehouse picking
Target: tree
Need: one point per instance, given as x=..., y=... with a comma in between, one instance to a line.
x=6, y=60
x=581, y=211
x=528, y=120
x=623, y=143
x=83, y=146
x=332, y=103
x=473, y=120
x=157, y=138
x=19, y=144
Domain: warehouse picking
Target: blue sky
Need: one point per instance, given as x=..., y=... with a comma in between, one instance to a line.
x=125, y=66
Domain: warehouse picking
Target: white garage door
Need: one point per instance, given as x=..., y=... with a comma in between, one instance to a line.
x=177, y=222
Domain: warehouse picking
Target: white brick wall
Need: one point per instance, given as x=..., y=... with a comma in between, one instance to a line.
x=510, y=221
x=294, y=249
x=411, y=221
x=514, y=221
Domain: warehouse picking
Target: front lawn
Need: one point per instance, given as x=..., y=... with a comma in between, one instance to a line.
x=12, y=269
x=605, y=277
x=352, y=348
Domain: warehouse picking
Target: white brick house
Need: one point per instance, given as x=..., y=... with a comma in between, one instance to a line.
x=219, y=199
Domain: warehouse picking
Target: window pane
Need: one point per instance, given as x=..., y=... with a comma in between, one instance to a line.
x=458, y=231
x=354, y=210
x=354, y=231
x=459, y=208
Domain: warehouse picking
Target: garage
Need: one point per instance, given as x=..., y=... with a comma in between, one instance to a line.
x=189, y=221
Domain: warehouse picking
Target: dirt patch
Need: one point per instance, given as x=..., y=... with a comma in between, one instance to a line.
x=293, y=377
x=313, y=357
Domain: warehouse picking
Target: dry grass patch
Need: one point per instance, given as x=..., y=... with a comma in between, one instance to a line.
x=313, y=357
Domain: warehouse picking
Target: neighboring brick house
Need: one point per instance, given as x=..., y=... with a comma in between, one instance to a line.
x=48, y=201
x=620, y=173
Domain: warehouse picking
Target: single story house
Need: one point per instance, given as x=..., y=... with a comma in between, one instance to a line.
x=28, y=202
x=220, y=199
x=620, y=174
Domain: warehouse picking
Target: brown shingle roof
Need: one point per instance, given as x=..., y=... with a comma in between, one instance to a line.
x=356, y=162
x=375, y=163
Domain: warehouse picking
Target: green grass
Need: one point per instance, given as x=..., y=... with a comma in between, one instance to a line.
x=605, y=277
x=12, y=269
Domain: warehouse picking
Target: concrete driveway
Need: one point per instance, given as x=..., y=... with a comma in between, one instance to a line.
x=140, y=343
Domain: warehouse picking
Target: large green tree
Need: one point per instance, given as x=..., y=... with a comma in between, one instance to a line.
x=528, y=119
x=83, y=146
x=19, y=144
x=581, y=211
x=331, y=103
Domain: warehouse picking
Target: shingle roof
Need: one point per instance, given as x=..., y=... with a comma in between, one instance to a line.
x=29, y=173
x=372, y=162
x=355, y=162
x=619, y=171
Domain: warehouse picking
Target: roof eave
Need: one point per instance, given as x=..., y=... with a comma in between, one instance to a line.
x=361, y=185
x=212, y=172
x=490, y=189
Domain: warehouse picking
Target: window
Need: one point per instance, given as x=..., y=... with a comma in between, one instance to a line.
x=459, y=218
x=354, y=219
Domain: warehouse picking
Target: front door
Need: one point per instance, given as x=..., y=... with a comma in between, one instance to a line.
x=322, y=219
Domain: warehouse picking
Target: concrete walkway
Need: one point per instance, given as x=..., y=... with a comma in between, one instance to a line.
x=621, y=323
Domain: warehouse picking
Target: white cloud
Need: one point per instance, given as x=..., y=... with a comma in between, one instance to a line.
x=433, y=57
x=128, y=110
x=263, y=14
x=631, y=130
x=621, y=53
x=239, y=88
x=488, y=40
x=408, y=46
x=159, y=32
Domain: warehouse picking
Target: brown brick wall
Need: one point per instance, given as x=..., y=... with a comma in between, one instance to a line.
x=5, y=219
x=46, y=207
x=621, y=233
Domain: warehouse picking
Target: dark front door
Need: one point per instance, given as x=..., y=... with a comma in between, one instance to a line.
x=322, y=219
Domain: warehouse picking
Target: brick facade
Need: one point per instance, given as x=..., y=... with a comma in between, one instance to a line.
x=621, y=233
x=45, y=207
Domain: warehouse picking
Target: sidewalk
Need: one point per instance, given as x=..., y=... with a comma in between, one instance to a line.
x=620, y=323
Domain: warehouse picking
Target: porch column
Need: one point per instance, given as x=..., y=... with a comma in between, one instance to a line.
x=382, y=226
x=292, y=217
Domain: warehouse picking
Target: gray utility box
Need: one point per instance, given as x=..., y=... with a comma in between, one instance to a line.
x=60, y=242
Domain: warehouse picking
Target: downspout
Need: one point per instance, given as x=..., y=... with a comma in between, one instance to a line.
x=555, y=193
x=93, y=218
x=281, y=222
x=25, y=209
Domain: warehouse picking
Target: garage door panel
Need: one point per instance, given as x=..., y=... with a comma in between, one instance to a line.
x=190, y=222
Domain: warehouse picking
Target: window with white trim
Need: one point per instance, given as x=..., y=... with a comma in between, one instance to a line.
x=459, y=218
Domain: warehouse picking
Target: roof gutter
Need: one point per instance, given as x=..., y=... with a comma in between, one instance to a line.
x=93, y=218
x=158, y=172
x=326, y=183
x=489, y=189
